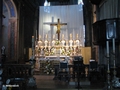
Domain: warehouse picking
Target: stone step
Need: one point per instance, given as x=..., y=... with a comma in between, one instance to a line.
x=81, y=83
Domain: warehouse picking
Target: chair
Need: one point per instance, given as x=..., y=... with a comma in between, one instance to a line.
x=94, y=74
x=63, y=73
x=93, y=65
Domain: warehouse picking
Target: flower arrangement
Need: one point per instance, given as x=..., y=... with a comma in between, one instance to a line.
x=57, y=42
x=62, y=51
x=48, y=67
x=52, y=51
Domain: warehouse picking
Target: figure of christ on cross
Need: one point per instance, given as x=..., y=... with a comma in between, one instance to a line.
x=58, y=25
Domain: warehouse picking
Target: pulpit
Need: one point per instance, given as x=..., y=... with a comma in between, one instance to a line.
x=106, y=34
x=105, y=30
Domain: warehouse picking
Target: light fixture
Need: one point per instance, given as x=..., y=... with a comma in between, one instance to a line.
x=80, y=4
x=47, y=6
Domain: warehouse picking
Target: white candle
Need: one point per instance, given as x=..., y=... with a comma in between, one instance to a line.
x=66, y=34
x=39, y=37
x=36, y=34
x=73, y=34
x=43, y=35
x=46, y=37
x=107, y=46
x=62, y=36
x=113, y=45
x=32, y=39
x=53, y=36
x=70, y=36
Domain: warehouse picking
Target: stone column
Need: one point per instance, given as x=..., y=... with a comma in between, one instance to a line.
x=1, y=15
x=88, y=20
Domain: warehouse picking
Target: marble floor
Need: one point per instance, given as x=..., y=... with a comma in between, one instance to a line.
x=47, y=82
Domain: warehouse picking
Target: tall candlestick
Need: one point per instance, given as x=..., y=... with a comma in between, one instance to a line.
x=32, y=47
x=107, y=46
x=113, y=45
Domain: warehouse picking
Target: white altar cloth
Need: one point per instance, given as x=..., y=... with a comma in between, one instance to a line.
x=54, y=58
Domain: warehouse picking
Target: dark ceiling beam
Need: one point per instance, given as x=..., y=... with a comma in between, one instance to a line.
x=58, y=0
x=96, y=2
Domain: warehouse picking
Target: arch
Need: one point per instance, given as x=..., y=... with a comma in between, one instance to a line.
x=11, y=8
x=12, y=31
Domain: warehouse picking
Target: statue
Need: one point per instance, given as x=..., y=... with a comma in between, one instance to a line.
x=58, y=27
x=3, y=50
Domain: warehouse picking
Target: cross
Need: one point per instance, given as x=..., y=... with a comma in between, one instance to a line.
x=58, y=25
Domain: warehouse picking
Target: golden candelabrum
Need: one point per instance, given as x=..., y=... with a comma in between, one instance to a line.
x=58, y=47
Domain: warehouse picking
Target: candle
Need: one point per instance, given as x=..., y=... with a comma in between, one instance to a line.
x=32, y=39
x=77, y=36
x=46, y=37
x=43, y=35
x=39, y=37
x=62, y=36
x=73, y=34
x=36, y=34
x=53, y=36
x=66, y=34
x=113, y=45
x=107, y=46
x=70, y=36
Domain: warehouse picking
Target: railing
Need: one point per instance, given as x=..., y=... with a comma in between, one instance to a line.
x=16, y=74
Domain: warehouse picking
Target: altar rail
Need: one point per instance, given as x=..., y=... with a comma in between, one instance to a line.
x=17, y=74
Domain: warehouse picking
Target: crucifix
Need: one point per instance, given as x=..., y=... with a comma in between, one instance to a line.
x=58, y=25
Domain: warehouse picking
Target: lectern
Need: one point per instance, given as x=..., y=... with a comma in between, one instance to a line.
x=78, y=68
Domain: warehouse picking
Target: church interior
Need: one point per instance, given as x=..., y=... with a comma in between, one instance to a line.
x=59, y=44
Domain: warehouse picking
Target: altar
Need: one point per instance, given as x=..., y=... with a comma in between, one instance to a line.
x=55, y=44
x=49, y=62
x=42, y=62
x=49, y=53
